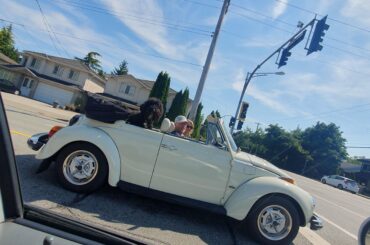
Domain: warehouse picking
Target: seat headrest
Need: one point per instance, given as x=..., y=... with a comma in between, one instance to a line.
x=166, y=125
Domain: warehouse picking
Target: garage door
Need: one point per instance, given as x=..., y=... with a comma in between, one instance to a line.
x=49, y=94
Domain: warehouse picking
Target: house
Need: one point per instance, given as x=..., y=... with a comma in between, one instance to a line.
x=361, y=172
x=49, y=78
x=134, y=91
x=6, y=60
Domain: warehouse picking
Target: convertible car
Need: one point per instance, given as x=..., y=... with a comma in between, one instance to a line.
x=214, y=175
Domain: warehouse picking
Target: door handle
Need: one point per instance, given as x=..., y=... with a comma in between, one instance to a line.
x=170, y=147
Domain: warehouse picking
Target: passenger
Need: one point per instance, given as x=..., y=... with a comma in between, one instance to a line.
x=180, y=126
x=189, y=129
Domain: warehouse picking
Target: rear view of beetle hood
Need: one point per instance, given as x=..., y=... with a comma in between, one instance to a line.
x=259, y=162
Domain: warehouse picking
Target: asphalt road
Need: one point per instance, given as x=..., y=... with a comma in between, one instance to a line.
x=155, y=221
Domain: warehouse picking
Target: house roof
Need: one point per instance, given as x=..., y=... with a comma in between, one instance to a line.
x=350, y=168
x=6, y=59
x=68, y=62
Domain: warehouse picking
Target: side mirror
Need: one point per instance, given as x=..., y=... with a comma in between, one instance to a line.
x=364, y=233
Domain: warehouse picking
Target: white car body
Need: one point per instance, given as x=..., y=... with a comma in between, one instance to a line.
x=341, y=182
x=214, y=177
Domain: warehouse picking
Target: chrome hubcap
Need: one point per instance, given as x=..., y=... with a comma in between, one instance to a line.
x=80, y=167
x=274, y=222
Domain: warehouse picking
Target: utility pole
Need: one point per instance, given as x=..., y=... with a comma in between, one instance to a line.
x=207, y=64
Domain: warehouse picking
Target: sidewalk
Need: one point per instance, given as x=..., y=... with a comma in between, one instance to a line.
x=31, y=106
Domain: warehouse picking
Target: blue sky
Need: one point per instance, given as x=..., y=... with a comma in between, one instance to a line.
x=330, y=86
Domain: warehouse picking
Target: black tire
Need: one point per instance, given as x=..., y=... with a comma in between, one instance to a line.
x=252, y=220
x=323, y=181
x=340, y=186
x=100, y=175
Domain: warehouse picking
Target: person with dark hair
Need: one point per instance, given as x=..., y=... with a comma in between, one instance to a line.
x=150, y=112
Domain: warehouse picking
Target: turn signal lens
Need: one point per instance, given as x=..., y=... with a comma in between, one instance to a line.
x=54, y=129
x=287, y=179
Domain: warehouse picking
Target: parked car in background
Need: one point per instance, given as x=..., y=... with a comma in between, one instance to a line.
x=8, y=86
x=341, y=182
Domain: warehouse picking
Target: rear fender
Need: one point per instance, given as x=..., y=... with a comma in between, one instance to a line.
x=242, y=199
x=91, y=135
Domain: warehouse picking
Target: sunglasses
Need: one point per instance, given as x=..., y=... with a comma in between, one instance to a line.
x=191, y=127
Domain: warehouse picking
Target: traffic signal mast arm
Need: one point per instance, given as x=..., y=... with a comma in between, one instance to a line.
x=250, y=75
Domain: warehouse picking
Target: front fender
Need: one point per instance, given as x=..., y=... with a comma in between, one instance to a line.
x=246, y=195
x=91, y=135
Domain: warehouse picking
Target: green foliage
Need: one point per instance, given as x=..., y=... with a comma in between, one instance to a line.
x=314, y=152
x=7, y=43
x=327, y=149
x=184, y=101
x=161, y=87
x=122, y=69
x=198, y=122
x=91, y=60
x=160, y=90
x=175, y=108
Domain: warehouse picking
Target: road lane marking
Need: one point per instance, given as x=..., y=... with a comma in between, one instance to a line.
x=312, y=236
x=20, y=133
x=348, y=210
x=337, y=226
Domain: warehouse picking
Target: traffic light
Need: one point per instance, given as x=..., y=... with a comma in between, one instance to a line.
x=285, y=53
x=243, y=112
x=317, y=36
x=232, y=122
x=240, y=125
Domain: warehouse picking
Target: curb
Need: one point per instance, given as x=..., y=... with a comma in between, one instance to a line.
x=363, y=196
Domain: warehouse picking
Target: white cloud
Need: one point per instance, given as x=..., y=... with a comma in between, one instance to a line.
x=157, y=36
x=357, y=10
x=278, y=9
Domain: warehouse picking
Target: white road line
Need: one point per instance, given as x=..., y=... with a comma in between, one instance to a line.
x=348, y=210
x=337, y=226
x=312, y=236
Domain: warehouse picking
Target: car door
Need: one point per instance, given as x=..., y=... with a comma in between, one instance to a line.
x=192, y=169
x=330, y=180
x=138, y=150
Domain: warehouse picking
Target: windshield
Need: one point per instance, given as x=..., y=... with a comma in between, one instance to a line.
x=226, y=130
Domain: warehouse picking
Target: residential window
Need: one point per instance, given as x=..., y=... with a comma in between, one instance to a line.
x=25, y=61
x=127, y=89
x=58, y=70
x=33, y=62
x=73, y=75
x=27, y=83
x=7, y=75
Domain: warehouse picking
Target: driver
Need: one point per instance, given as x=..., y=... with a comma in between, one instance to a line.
x=181, y=124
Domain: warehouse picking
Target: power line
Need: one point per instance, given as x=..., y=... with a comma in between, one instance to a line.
x=46, y=27
x=137, y=18
x=51, y=29
x=105, y=44
x=292, y=25
x=332, y=19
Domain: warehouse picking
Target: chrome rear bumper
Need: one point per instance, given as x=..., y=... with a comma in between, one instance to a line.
x=316, y=223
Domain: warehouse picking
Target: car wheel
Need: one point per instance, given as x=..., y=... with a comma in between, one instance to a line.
x=323, y=181
x=273, y=220
x=340, y=187
x=81, y=167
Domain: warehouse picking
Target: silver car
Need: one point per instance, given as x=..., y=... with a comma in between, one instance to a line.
x=341, y=182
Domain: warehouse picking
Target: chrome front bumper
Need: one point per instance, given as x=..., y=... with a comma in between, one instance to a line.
x=35, y=142
x=316, y=223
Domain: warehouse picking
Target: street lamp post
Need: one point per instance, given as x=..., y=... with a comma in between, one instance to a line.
x=248, y=78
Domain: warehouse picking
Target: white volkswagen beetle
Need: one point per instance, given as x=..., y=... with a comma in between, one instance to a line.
x=214, y=175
